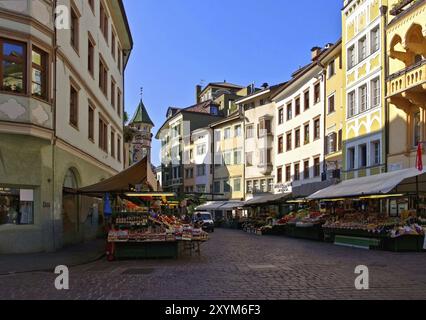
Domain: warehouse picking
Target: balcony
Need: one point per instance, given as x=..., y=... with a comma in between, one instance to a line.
x=409, y=85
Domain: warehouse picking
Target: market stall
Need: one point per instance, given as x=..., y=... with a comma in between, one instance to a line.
x=385, y=211
x=264, y=211
x=136, y=225
x=142, y=234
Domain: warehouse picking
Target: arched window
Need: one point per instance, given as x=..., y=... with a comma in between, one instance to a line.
x=70, y=180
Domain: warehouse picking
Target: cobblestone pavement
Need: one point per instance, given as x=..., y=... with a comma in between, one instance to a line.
x=237, y=266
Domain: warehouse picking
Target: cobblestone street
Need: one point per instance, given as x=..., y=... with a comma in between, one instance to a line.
x=235, y=265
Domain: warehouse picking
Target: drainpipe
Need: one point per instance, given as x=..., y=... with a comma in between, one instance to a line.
x=384, y=10
x=324, y=74
x=53, y=142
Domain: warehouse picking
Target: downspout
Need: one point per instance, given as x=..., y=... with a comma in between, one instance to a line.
x=53, y=142
x=324, y=74
x=213, y=152
x=384, y=10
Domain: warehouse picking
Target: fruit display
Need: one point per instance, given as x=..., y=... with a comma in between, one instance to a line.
x=145, y=228
x=303, y=218
x=376, y=224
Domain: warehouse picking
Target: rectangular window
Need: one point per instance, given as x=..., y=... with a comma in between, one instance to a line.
x=263, y=186
x=216, y=187
x=362, y=94
x=307, y=137
x=249, y=132
x=288, y=173
x=201, y=149
x=331, y=69
x=340, y=144
x=12, y=66
x=201, y=170
x=103, y=77
x=289, y=142
x=351, y=57
x=112, y=144
x=91, y=57
x=113, y=93
x=256, y=186
x=119, y=103
x=249, y=159
x=297, y=111
x=91, y=124
x=297, y=172
x=331, y=104
x=280, y=145
x=279, y=175
x=362, y=47
x=103, y=22
x=351, y=104
x=238, y=157
x=297, y=138
x=103, y=135
x=237, y=131
x=227, y=157
x=375, y=153
x=362, y=156
x=264, y=127
x=351, y=158
x=16, y=206
x=73, y=107
x=306, y=174
x=39, y=74
x=281, y=116
x=375, y=93
x=118, y=148
x=74, y=26
x=119, y=59
x=307, y=100
x=332, y=143
x=317, y=93
x=237, y=185
x=317, y=129
x=375, y=40
x=250, y=187
x=227, y=133
x=289, y=111
x=317, y=167
x=270, y=185
x=113, y=51
x=226, y=186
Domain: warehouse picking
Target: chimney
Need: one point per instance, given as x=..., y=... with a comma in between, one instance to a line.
x=198, y=90
x=315, y=52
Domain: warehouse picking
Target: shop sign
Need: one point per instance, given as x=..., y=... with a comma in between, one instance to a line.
x=283, y=188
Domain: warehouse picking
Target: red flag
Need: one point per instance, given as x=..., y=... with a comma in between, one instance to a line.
x=419, y=159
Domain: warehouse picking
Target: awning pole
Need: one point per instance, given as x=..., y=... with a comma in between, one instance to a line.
x=417, y=194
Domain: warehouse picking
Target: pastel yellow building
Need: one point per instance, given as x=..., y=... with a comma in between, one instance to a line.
x=334, y=110
x=363, y=48
x=228, y=173
x=406, y=83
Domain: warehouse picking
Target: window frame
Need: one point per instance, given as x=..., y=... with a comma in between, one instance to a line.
x=74, y=107
x=24, y=63
x=44, y=70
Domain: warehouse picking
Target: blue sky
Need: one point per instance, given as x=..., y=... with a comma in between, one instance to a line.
x=179, y=43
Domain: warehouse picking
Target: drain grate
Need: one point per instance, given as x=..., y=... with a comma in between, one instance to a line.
x=144, y=271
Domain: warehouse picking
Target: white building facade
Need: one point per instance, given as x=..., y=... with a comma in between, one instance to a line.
x=299, y=138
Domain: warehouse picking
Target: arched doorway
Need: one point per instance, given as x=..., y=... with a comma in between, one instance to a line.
x=70, y=209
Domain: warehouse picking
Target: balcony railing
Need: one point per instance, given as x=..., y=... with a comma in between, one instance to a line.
x=410, y=77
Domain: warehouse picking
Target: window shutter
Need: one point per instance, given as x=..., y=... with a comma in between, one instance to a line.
x=327, y=151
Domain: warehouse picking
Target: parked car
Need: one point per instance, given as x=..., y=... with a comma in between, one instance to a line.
x=205, y=219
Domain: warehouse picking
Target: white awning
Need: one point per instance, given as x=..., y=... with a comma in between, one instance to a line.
x=210, y=206
x=232, y=205
x=402, y=181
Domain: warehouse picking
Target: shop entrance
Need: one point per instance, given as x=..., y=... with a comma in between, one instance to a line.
x=70, y=210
